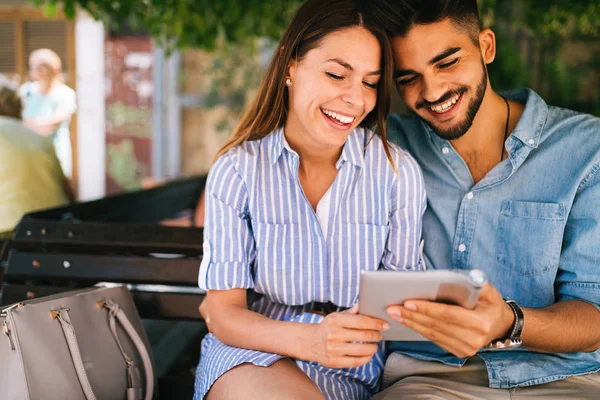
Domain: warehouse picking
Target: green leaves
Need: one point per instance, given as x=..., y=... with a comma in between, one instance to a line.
x=187, y=23
x=200, y=23
x=560, y=18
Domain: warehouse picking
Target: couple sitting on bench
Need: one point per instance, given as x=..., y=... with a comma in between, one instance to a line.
x=308, y=193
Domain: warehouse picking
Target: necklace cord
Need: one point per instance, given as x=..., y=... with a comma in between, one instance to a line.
x=505, y=127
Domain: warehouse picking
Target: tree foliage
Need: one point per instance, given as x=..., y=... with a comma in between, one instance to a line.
x=560, y=18
x=199, y=23
x=536, y=41
x=187, y=23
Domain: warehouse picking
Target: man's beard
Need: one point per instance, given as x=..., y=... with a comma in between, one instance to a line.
x=459, y=130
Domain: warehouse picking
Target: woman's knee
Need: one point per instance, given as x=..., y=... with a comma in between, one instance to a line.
x=283, y=379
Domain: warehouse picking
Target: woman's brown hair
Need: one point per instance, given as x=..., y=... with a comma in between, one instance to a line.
x=314, y=20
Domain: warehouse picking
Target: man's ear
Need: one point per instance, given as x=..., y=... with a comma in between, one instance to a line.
x=487, y=44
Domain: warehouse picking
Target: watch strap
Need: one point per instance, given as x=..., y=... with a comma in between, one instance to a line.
x=517, y=329
x=514, y=338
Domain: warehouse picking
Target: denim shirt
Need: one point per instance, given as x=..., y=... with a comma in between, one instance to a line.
x=532, y=224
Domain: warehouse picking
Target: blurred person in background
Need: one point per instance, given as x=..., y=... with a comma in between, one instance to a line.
x=32, y=178
x=49, y=104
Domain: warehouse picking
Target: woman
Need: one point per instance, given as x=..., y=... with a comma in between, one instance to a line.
x=49, y=104
x=300, y=200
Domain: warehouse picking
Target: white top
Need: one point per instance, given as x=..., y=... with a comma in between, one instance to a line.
x=323, y=211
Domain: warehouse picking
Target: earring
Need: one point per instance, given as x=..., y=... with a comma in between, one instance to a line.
x=288, y=82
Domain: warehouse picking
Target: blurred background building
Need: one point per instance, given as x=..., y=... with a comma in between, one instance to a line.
x=159, y=90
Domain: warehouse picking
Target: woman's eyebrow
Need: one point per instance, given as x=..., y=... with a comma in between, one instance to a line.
x=349, y=67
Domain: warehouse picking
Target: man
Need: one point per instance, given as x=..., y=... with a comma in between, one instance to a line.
x=31, y=176
x=513, y=189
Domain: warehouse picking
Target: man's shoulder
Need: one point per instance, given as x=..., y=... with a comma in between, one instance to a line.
x=574, y=132
x=556, y=122
x=12, y=129
x=404, y=128
x=564, y=118
x=397, y=122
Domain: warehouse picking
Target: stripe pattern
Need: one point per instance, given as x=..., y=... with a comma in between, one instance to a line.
x=262, y=234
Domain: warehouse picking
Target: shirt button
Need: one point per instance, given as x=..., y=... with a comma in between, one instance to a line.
x=445, y=150
x=531, y=141
x=470, y=195
x=462, y=248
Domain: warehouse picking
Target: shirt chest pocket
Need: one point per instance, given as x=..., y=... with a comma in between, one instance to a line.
x=530, y=236
x=363, y=244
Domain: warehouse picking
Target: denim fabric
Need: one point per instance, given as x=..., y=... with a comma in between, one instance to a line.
x=532, y=224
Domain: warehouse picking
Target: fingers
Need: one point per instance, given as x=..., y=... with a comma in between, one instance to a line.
x=458, y=340
x=356, y=335
x=352, y=310
x=353, y=321
x=353, y=349
x=445, y=313
x=489, y=292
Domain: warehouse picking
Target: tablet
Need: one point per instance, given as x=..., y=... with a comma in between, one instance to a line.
x=380, y=289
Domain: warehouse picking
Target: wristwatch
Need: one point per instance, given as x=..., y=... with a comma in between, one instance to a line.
x=514, y=339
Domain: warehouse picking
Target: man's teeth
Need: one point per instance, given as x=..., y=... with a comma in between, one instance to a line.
x=446, y=105
x=342, y=118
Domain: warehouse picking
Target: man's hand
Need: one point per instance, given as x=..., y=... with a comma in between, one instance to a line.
x=457, y=330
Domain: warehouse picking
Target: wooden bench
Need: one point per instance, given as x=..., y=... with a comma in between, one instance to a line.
x=117, y=240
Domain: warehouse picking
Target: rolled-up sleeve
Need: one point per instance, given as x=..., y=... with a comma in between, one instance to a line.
x=408, y=204
x=228, y=248
x=578, y=277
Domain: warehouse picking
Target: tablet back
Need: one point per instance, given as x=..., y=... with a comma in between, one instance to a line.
x=380, y=289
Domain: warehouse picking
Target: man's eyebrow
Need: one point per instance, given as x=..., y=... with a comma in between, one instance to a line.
x=349, y=67
x=444, y=54
x=398, y=73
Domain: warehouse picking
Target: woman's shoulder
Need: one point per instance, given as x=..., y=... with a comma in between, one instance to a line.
x=63, y=91
x=247, y=155
x=28, y=89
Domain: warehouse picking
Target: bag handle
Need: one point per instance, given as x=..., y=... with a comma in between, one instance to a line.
x=115, y=312
x=65, y=322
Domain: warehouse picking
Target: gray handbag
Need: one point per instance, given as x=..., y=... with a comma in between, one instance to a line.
x=82, y=345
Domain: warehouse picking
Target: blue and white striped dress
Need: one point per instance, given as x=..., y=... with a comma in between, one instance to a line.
x=262, y=234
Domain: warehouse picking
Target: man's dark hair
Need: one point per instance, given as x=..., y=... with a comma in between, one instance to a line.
x=10, y=102
x=398, y=17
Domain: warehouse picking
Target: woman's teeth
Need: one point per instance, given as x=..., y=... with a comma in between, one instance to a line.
x=444, y=107
x=344, y=119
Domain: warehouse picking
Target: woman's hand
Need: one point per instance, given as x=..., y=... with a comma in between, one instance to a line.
x=345, y=339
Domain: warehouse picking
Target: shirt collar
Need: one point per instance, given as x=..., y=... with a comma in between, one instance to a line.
x=354, y=147
x=530, y=126
x=352, y=151
x=276, y=144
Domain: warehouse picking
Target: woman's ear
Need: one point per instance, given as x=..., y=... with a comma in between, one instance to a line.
x=487, y=44
x=291, y=72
